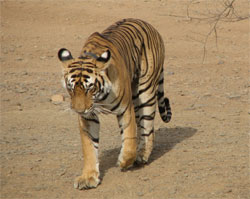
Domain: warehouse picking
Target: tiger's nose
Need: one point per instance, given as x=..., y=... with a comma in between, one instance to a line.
x=77, y=108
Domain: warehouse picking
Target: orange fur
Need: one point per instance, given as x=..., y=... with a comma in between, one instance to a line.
x=119, y=71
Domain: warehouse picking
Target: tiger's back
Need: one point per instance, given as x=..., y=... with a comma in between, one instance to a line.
x=137, y=42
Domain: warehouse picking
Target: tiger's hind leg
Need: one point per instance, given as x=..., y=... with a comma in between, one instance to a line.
x=145, y=126
x=136, y=105
x=127, y=124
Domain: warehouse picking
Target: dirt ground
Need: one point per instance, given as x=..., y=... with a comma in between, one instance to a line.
x=202, y=153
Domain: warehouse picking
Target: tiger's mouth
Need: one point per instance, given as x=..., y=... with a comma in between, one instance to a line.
x=83, y=111
x=95, y=109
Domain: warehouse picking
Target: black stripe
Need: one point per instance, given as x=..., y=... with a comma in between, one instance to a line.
x=92, y=120
x=98, y=84
x=138, y=32
x=123, y=112
x=81, y=57
x=91, y=55
x=161, y=81
x=142, y=127
x=74, y=69
x=104, y=97
x=80, y=63
x=118, y=104
x=146, y=103
x=160, y=95
x=145, y=54
x=161, y=109
x=146, y=117
x=143, y=28
x=134, y=97
x=81, y=69
x=144, y=134
x=166, y=100
x=77, y=63
x=86, y=76
x=88, y=70
x=103, y=81
x=74, y=76
x=141, y=91
x=96, y=140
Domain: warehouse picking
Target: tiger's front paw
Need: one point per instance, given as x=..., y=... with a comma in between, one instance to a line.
x=126, y=159
x=86, y=181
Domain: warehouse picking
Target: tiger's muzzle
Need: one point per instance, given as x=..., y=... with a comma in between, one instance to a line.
x=81, y=102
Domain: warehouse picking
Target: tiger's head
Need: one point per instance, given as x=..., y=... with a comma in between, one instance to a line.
x=86, y=78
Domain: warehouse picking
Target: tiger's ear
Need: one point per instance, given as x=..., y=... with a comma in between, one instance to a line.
x=105, y=56
x=64, y=55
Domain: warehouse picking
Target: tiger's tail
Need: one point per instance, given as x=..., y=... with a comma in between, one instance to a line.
x=163, y=102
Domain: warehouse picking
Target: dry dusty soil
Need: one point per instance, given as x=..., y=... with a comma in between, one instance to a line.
x=202, y=153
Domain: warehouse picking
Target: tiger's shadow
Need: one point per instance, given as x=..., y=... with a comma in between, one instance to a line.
x=165, y=140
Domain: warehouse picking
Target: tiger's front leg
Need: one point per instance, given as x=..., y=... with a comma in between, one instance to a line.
x=89, y=131
x=129, y=144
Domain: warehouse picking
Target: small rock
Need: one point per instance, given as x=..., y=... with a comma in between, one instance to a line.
x=207, y=95
x=192, y=107
x=24, y=73
x=78, y=37
x=57, y=99
x=145, y=178
x=43, y=57
x=173, y=191
x=5, y=51
x=140, y=193
x=234, y=96
x=7, y=100
x=221, y=62
x=192, y=195
x=228, y=190
x=21, y=90
x=19, y=107
x=19, y=59
x=12, y=49
x=63, y=172
x=170, y=73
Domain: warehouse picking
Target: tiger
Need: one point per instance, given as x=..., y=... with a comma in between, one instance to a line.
x=119, y=71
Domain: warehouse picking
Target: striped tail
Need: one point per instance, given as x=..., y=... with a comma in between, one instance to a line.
x=163, y=103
